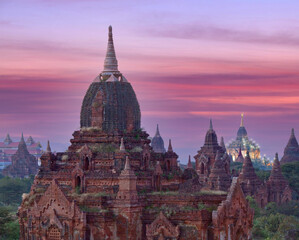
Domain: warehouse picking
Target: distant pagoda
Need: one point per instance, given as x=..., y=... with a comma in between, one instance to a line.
x=244, y=144
x=291, y=151
x=157, y=142
x=23, y=163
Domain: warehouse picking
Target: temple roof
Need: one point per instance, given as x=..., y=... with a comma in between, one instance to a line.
x=248, y=172
x=240, y=157
x=7, y=139
x=276, y=174
x=211, y=137
x=110, y=103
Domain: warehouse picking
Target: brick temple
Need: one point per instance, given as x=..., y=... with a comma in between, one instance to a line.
x=111, y=184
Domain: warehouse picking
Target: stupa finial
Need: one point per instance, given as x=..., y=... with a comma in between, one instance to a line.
x=127, y=164
x=211, y=124
x=110, y=63
x=170, y=146
x=242, y=120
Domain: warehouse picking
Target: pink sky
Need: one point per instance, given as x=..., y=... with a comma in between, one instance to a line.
x=187, y=62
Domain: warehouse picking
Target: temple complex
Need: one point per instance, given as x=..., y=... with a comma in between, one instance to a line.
x=113, y=183
x=244, y=143
x=291, y=151
x=8, y=148
x=23, y=163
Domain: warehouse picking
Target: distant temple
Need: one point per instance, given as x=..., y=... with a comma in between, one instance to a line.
x=243, y=143
x=23, y=163
x=291, y=151
x=8, y=148
x=157, y=142
x=111, y=184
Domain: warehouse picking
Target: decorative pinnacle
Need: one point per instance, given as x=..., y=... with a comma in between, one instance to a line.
x=48, y=147
x=110, y=63
x=211, y=124
x=122, y=145
x=242, y=121
x=127, y=164
x=170, y=146
x=293, y=132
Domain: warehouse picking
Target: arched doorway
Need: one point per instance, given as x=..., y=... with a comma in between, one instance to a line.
x=78, y=184
x=202, y=168
x=86, y=164
x=168, y=165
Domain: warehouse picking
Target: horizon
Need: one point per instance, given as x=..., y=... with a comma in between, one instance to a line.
x=186, y=65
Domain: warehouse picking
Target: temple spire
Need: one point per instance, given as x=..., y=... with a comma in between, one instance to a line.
x=127, y=164
x=157, y=131
x=110, y=63
x=189, y=163
x=48, y=147
x=170, y=146
x=242, y=120
x=211, y=124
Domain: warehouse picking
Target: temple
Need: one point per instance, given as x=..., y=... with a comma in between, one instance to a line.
x=23, y=163
x=244, y=143
x=8, y=148
x=291, y=151
x=113, y=183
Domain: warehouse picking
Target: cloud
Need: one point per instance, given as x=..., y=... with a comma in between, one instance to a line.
x=212, y=32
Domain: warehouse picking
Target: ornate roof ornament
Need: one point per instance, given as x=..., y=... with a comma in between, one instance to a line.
x=211, y=124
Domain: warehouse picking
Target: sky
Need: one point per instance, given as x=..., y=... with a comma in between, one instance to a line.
x=188, y=61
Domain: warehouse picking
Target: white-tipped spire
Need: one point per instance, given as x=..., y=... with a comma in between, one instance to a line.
x=242, y=121
x=122, y=146
x=48, y=147
x=110, y=63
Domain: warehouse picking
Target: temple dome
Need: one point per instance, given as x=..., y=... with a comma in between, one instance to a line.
x=110, y=103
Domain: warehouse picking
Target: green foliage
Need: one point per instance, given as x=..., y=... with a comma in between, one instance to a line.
x=11, y=190
x=9, y=226
x=253, y=204
x=275, y=222
x=262, y=174
x=236, y=165
x=291, y=173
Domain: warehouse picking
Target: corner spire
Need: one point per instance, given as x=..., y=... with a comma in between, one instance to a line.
x=48, y=147
x=170, y=146
x=211, y=124
x=242, y=120
x=110, y=63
